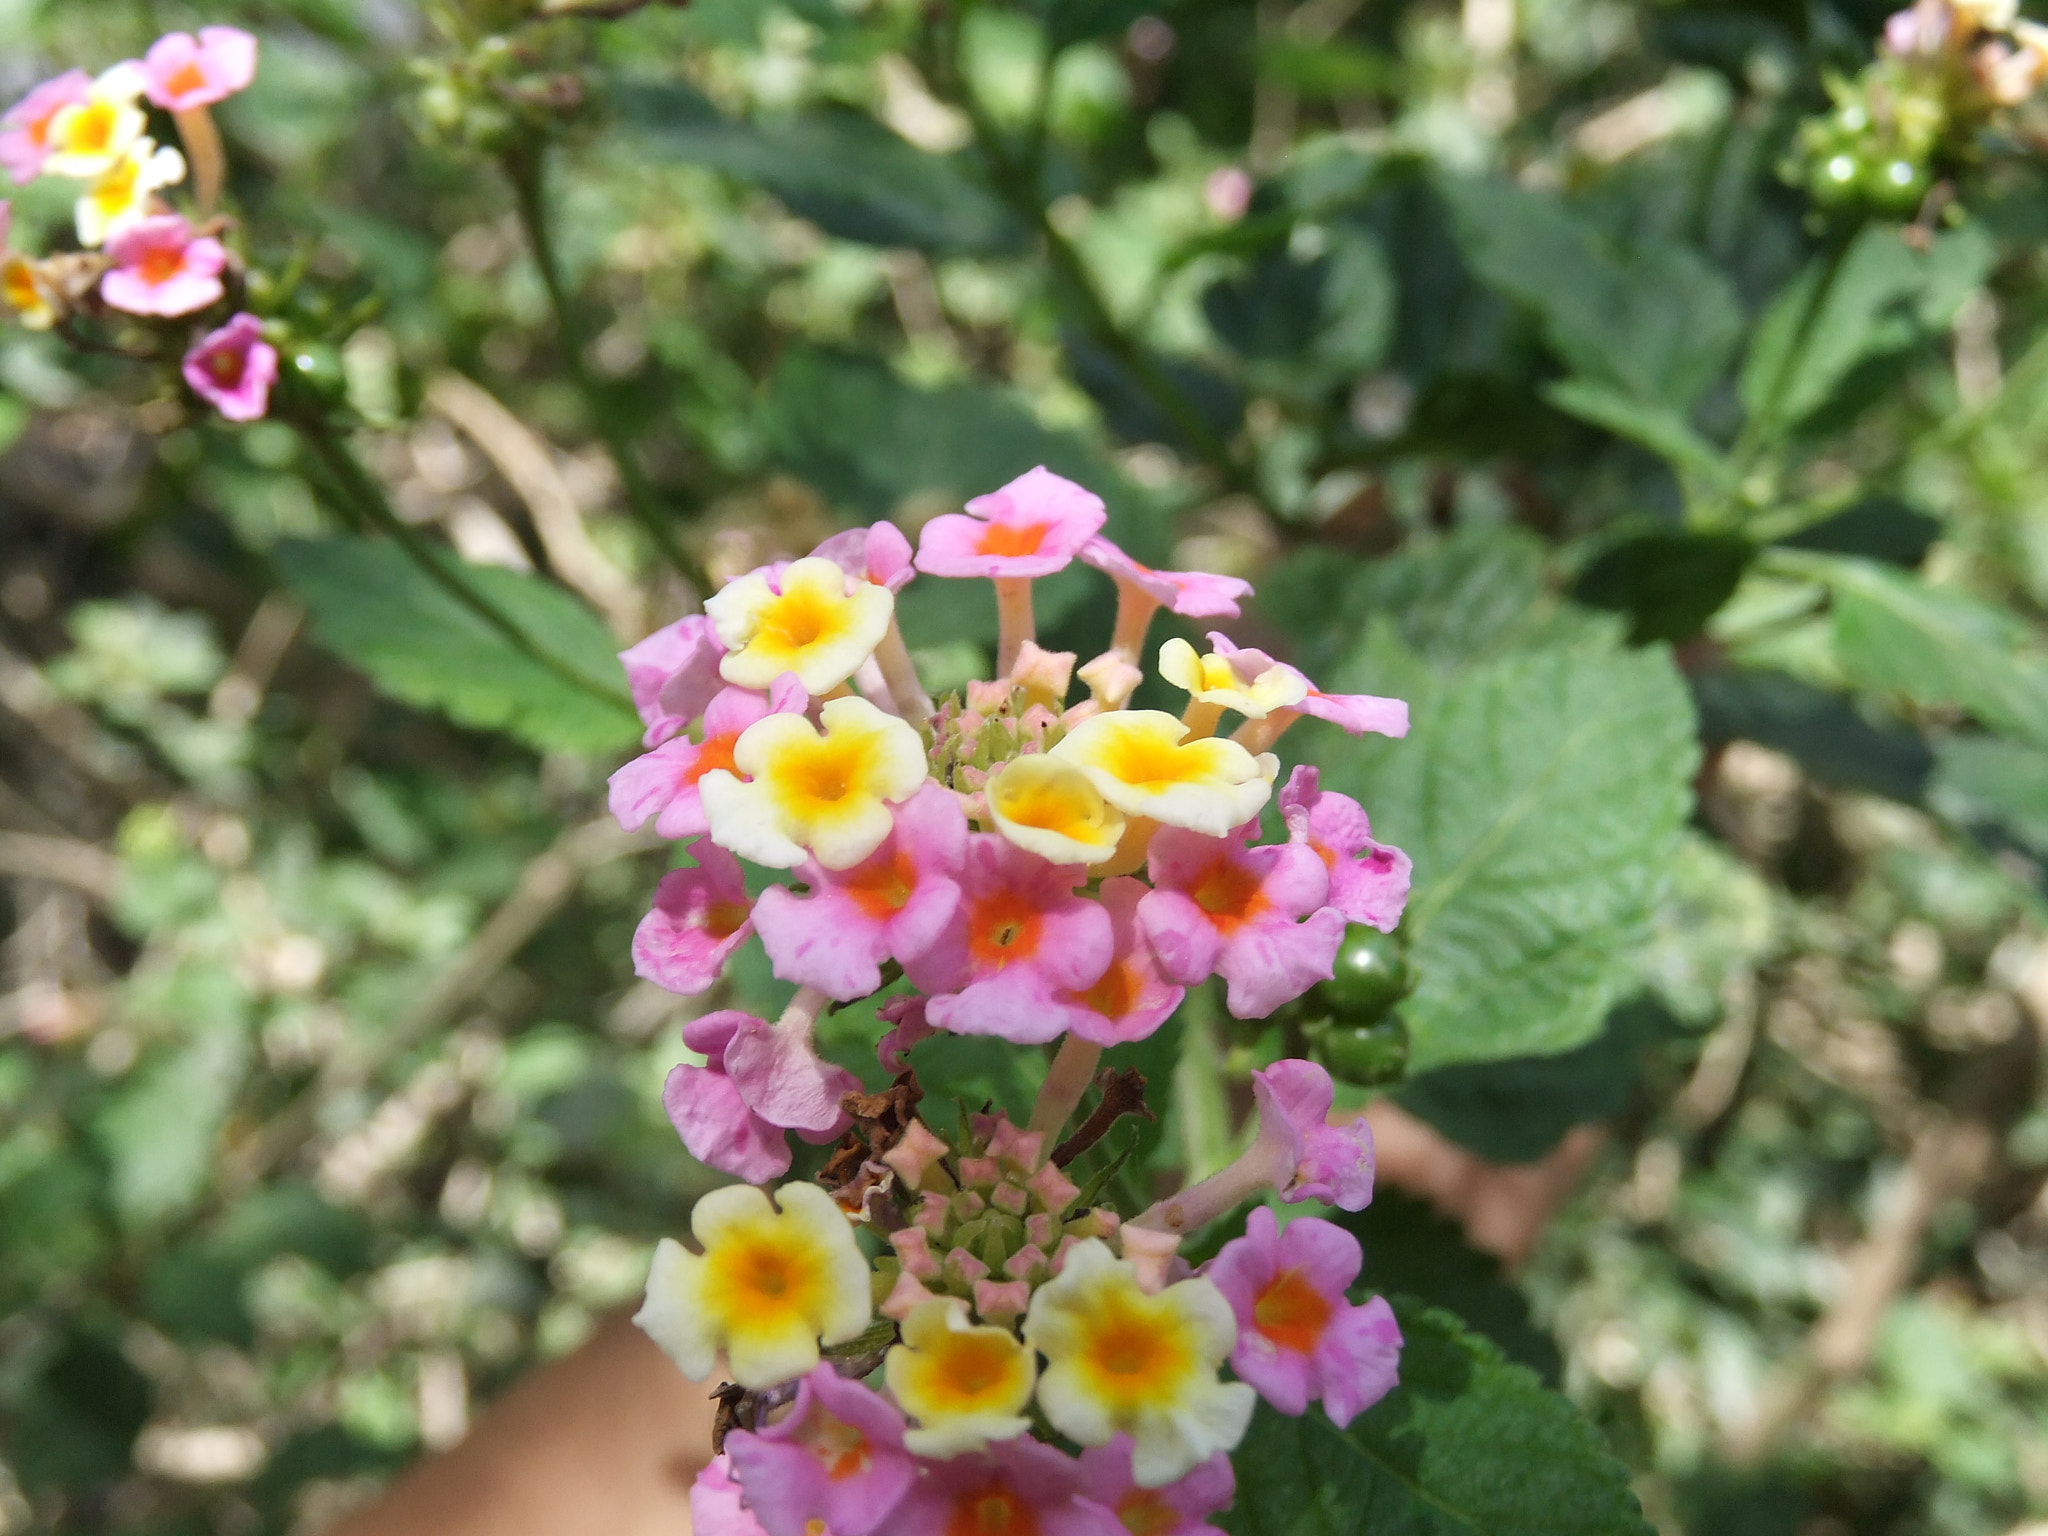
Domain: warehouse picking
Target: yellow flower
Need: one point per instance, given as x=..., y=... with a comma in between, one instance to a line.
x=1138, y=760
x=1118, y=1360
x=826, y=794
x=1213, y=680
x=22, y=286
x=964, y=1385
x=123, y=191
x=822, y=625
x=89, y=136
x=766, y=1289
x=1050, y=808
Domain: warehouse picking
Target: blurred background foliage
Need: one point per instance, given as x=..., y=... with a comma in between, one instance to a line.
x=1486, y=337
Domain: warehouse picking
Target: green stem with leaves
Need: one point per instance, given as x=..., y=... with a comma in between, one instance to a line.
x=523, y=168
x=360, y=494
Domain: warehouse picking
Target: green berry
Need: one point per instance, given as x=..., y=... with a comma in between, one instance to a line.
x=1365, y=1054
x=1370, y=976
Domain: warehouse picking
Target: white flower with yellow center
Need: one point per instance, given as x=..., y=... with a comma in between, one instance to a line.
x=123, y=191
x=964, y=1385
x=821, y=625
x=801, y=791
x=26, y=294
x=1212, y=680
x=1120, y=1361
x=1140, y=762
x=86, y=138
x=768, y=1287
x=1050, y=808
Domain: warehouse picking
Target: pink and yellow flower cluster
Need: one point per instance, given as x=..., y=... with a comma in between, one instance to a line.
x=138, y=255
x=1038, y=868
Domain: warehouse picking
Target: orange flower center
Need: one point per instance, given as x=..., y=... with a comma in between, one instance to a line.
x=1229, y=893
x=190, y=78
x=843, y=1449
x=1144, y=1513
x=1002, y=928
x=1291, y=1312
x=225, y=368
x=723, y=918
x=716, y=752
x=160, y=264
x=1009, y=539
x=1116, y=994
x=880, y=887
x=992, y=1511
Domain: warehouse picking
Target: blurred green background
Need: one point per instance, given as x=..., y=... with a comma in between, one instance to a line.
x=1487, y=339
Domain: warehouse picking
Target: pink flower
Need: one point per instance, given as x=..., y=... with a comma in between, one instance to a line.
x=1331, y=1162
x=1021, y=936
x=1180, y=1508
x=1132, y=999
x=1368, y=880
x=837, y=1458
x=663, y=783
x=699, y=917
x=1015, y=1487
x=25, y=129
x=897, y=902
x=715, y=1507
x=1191, y=594
x=673, y=675
x=1353, y=713
x=1298, y=1338
x=181, y=72
x=1220, y=906
x=758, y=1080
x=234, y=368
x=878, y=553
x=161, y=268
x=1031, y=527
x=907, y=1026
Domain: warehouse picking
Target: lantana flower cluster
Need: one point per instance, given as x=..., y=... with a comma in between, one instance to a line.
x=921, y=1339
x=139, y=255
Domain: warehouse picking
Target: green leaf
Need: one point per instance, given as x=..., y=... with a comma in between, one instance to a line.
x=1540, y=795
x=1882, y=298
x=1983, y=779
x=1654, y=320
x=1314, y=323
x=1467, y=1445
x=1668, y=581
x=1665, y=432
x=1516, y=1111
x=1895, y=634
x=159, y=1131
x=842, y=170
x=372, y=606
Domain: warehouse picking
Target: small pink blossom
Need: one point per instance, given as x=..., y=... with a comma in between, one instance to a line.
x=1352, y=713
x=758, y=1080
x=1132, y=999
x=663, y=783
x=1331, y=1161
x=1228, y=192
x=700, y=916
x=673, y=675
x=715, y=1504
x=161, y=268
x=838, y=1457
x=878, y=553
x=896, y=902
x=1031, y=527
x=1180, y=1508
x=233, y=368
x=25, y=129
x=1021, y=937
x=181, y=72
x=1016, y=1486
x=1368, y=880
x=1191, y=594
x=1298, y=1337
x=1218, y=906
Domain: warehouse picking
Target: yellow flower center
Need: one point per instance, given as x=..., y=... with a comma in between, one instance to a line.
x=1136, y=1352
x=1291, y=1312
x=814, y=778
x=763, y=1276
x=116, y=190
x=971, y=1371
x=91, y=129
x=20, y=286
x=813, y=627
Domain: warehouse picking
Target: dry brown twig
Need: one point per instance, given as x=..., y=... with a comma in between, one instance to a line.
x=61, y=861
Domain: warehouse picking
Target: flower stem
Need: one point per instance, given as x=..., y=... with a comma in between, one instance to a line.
x=1265, y=1165
x=1134, y=609
x=1014, y=622
x=1072, y=1070
x=203, y=151
x=905, y=688
x=523, y=170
